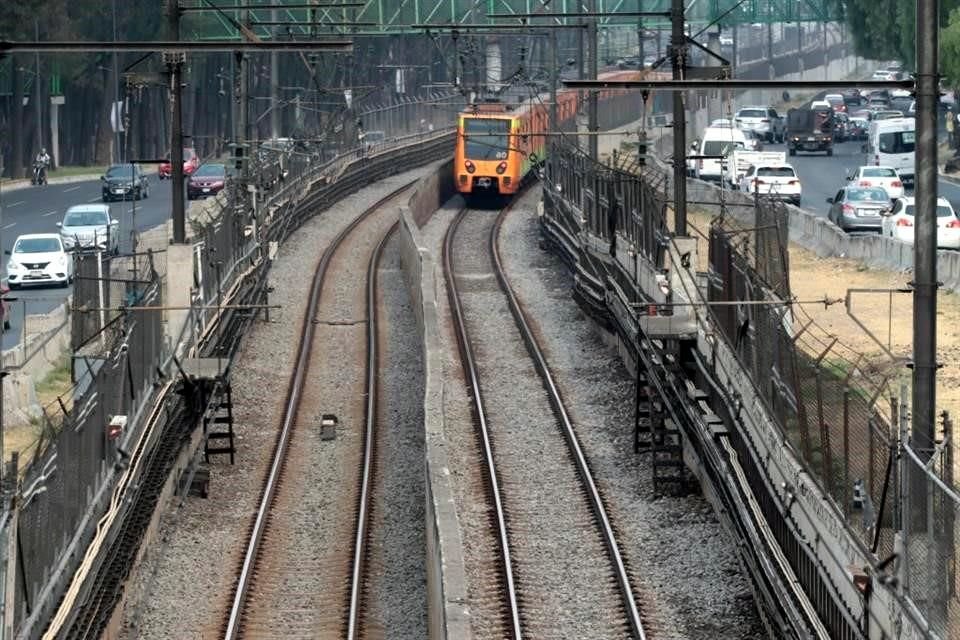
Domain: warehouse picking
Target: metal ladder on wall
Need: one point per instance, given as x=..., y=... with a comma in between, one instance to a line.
x=218, y=427
x=656, y=433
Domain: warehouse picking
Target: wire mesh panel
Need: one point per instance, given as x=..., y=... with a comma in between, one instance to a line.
x=929, y=571
x=829, y=401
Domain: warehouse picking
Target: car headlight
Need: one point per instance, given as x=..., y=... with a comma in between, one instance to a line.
x=62, y=260
x=13, y=266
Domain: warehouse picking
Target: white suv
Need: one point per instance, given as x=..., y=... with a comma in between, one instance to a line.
x=775, y=180
x=765, y=121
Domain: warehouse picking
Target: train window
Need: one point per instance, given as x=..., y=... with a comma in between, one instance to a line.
x=486, y=138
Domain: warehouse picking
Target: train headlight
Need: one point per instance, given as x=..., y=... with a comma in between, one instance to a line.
x=470, y=166
x=501, y=168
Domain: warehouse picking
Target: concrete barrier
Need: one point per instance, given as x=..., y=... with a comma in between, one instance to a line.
x=432, y=192
x=819, y=235
x=448, y=613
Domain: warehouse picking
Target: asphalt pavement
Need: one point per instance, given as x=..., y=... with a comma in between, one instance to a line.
x=38, y=209
x=821, y=176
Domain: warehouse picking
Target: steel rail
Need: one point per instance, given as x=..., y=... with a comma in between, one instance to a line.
x=369, y=450
x=473, y=382
x=576, y=451
x=291, y=406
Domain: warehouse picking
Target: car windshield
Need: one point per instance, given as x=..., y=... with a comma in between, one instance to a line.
x=868, y=195
x=86, y=219
x=37, y=245
x=751, y=113
x=120, y=171
x=211, y=170
x=943, y=211
x=834, y=99
x=486, y=138
x=720, y=147
x=896, y=142
x=878, y=172
x=777, y=172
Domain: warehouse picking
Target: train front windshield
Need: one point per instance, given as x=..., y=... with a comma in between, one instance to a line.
x=486, y=138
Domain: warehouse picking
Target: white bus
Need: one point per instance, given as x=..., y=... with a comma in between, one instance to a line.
x=890, y=143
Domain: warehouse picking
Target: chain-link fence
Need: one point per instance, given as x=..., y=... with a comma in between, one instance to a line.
x=931, y=509
x=831, y=402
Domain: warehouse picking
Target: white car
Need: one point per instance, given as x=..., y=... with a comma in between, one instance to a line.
x=900, y=223
x=89, y=226
x=882, y=74
x=776, y=180
x=39, y=258
x=874, y=176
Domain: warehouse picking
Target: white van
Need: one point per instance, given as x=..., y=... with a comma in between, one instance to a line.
x=715, y=141
x=890, y=143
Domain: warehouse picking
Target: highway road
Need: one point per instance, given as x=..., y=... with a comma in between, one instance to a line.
x=821, y=177
x=38, y=209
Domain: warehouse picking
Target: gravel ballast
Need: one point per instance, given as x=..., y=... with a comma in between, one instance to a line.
x=398, y=543
x=561, y=567
x=680, y=558
x=198, y=547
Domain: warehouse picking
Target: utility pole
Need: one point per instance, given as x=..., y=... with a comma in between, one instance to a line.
x=117, y=155
x=274, y=82
x=174, y=61
x=38, y=130
x=593, y=124
x=678, y=48
x=925, y=284
x=554, y=81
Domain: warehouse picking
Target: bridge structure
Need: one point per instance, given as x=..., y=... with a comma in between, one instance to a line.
x=390, y=17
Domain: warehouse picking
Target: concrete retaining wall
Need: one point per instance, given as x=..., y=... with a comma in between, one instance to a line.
x=432, y=192
x=448, y=611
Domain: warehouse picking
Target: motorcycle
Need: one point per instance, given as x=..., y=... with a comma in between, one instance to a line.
x=39, y=173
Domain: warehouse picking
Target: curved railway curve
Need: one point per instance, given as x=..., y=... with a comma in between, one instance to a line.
x=262, y=577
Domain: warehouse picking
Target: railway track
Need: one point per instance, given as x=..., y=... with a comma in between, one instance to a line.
x=283, y=587
x=513, y=520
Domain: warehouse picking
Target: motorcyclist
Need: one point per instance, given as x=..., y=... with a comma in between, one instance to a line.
x=40, y=163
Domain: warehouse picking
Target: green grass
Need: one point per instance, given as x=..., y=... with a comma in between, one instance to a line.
x=66, y=172
x=55, y=383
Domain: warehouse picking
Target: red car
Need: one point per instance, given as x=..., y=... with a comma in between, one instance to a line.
x=208, y=180
x=190, y=163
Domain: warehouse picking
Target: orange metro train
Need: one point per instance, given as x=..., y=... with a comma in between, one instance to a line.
x=497, y=147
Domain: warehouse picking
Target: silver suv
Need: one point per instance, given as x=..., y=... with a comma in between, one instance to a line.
x=89, y=227
x=765, y=121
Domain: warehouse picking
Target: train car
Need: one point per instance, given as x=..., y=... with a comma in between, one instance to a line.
x=497, y=146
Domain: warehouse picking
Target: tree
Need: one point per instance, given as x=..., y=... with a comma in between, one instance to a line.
x=950, y=50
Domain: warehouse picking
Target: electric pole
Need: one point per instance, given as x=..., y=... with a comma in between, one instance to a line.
x=174, y=61
x=678, y=48
x=274, y=82
x=593, y=124
x=924, y=409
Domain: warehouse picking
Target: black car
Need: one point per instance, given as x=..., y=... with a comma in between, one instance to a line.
x=208, y=180
x=122, y=181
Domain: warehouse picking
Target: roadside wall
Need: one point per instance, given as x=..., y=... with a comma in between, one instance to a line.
x=448, y=611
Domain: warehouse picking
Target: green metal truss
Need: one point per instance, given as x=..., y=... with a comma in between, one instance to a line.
x=399, y=16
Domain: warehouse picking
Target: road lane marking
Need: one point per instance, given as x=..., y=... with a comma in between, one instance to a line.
x=49, y=213
x=73, y=188
x=97, y=199
x=9, y=226
x=14, y=204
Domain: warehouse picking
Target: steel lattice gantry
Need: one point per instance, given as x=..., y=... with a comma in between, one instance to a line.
x=377, y=17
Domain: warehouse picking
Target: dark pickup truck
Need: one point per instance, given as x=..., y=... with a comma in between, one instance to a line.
x=810, y=130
